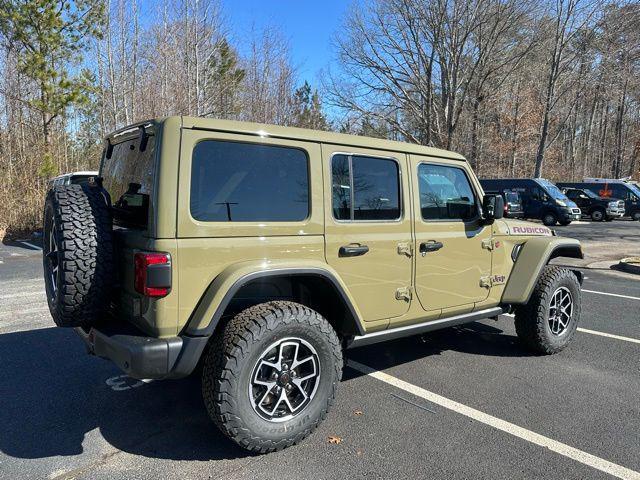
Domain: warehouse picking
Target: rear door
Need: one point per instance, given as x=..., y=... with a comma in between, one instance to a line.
x=452, y=259
x=368, y=228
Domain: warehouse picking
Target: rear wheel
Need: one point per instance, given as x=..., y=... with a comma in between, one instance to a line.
x=598, y=215
x=270, y=377
x=636, y=216
x=77, y=254
x=549, y=219
x=548, y=322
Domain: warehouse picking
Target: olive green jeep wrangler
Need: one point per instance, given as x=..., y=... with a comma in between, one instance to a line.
x=256, y=254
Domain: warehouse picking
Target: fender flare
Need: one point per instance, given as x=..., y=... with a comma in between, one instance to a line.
x=534, y=255
x=192, y=329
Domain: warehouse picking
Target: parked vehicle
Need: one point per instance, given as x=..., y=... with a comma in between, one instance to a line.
x=512, y=203
x=72, y=178
x=261, y=252
x=598, y=208
x=614, y=189
x=541, y=199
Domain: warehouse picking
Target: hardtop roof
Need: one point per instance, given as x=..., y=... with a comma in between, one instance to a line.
x=303, y=134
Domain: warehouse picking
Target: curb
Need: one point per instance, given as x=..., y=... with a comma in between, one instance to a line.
x=630, y=265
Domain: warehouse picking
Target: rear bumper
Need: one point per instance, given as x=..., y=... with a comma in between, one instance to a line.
x=144, y=357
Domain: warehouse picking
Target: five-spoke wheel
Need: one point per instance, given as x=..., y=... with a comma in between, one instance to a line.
x=285, y=379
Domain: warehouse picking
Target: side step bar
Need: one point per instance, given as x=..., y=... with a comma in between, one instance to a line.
x=407, y=331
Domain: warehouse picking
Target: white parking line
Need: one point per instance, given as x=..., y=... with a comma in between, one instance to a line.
x=497, y=423
x=611, y=294
x=30, y=244
x=592, y=332
x=608, y=335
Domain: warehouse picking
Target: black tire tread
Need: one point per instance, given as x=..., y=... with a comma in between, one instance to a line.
x=84, y=234
x=531, y=318
x=221, y=368
x=602, y=211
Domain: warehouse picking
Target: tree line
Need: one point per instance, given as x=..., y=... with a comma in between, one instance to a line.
x=520, y=87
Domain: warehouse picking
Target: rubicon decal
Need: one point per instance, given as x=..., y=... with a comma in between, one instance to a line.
x=530, y=230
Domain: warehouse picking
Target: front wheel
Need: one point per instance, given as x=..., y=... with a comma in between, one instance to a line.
x=548, y=322
x=269, y=378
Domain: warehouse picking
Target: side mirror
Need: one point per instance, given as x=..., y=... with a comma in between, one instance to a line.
x=492, y=207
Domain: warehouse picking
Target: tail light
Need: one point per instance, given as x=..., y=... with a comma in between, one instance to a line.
x=152, y=274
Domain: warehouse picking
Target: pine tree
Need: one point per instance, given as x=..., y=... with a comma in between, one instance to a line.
x=48, y=38
x=308, y=109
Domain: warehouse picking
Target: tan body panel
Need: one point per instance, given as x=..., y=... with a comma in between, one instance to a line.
x=373, y=278
x=209, y=258
x=535, y=254
x=450, y=278
x=235, y=273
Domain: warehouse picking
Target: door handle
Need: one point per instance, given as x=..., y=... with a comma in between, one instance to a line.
x=430, y=246
x=352, y=250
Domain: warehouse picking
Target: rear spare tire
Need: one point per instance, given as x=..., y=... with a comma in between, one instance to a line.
x=77, y=254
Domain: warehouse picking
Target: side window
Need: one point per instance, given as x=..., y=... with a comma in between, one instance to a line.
x=246, y=182
x=536, y=194
x=621, y=192
x=445, y=193
x=365, y=188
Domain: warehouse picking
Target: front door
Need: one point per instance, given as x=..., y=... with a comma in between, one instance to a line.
x=453, y=256
x=581, y=199
x=368, y=228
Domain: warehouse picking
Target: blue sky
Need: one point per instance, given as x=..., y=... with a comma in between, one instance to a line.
x=308, y=25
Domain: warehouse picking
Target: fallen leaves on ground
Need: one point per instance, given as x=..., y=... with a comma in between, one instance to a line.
x=334, y=439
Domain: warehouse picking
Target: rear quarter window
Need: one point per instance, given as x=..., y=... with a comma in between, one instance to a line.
x=247, y=182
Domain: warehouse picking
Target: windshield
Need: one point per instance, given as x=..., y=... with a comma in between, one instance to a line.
x=589, y=193
x=512, y=197
x=634, y=189
x=555, y=192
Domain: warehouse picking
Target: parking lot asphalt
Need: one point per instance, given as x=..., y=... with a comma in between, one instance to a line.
x=67, y=415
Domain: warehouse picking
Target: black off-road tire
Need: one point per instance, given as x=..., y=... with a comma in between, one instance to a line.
x=77, y=220
x=549, y=219
x=532, y=319
x=230, y=361
x=636, y=216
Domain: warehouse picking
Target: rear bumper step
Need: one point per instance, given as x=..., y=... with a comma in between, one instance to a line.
x=145, y=357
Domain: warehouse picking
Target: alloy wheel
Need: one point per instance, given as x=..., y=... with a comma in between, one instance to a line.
x=52, y=260
x=560, y=311
x=284, y=379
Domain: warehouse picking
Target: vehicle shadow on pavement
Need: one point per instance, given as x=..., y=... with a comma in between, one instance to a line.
x=473, y=338
x=53, y=396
